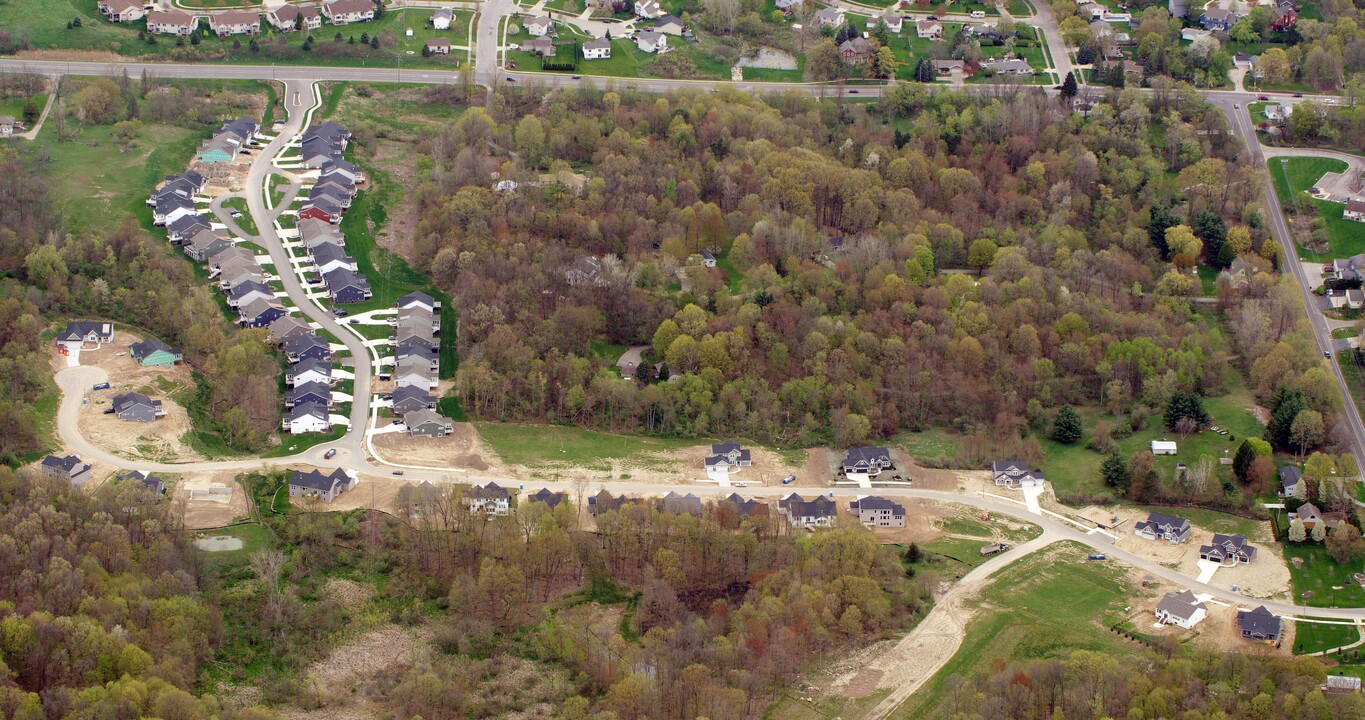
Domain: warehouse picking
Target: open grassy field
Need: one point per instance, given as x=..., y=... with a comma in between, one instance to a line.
x=547, y=445
x=1294, y=175
x=1320, y=581
x=245, y=222
x=1041, y=607
x=1312, y=637
x=1213, y=520
x=254, y=537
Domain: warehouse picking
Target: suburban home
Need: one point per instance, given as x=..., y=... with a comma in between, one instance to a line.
x=817, y=512
x=415, y=337
x=1190, y=34
x=878, y=512
x=543, y=495
x=121, y=11
x=344, y=12
x=69, y=468
x=1310, y=516
x=1340, y=684
x=1258, y=624
x=855, y=51
x=1163, y=447
x=178, y=187
x=260, y=313
x=491, y=498
x=344, y=168
x=751, y=507
x=307, y=346
x=344, y=286
x=437, y=46
x=205, y=244
x=425, y=422
x=1015, y=474
x=948, y=67
x=249, y=291
x=148, y=482
x=307, y=418
x=542, y=47
x=8, y=126
x=417, y=356
x=169, y=208
x=327, y=257
x=321, y=208
x=1008, y=66
x=329, y=131
x=930, y=29
x=287, y=18
x=651, y=42
x=1228, y=550
x=236, y=271
x=313, y=231
x=1181, y=609
x=1217, y=19
x=314, y=484
x=707, y=259
x=1283, y=15
x=893, y=19
x=1355, y=210
x=648, y=9
x=599, y=49
x=539, y=26
x=417, y=300
x=235, y=22
x=867, y=461
x=137, y=407
x=418, y=318
x=287, y=327
x=670, y=25
x=1291, y=482
x=171, y=22
x=419, y=375
x=604, y=501
x=727, y=455
x=315, y=393
x=1164, y=527
x=409, y=399
x=676, y=504
x=829, y=17
x=80, y=332
x=308, y=371
x=154, y=353
x=440, y=20
x=788, y=4
x=186, y=227
x=317, y=152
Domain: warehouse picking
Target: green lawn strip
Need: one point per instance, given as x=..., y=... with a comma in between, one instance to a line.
x=908, y=47
x=254, y=537
x=1354, y=373
x=1312, y=637
x=14, y=106
x=43, y=415
x=1319, y=575
x=1343, y=333
x=752, y=74
x=1208, y=280
x=1215, y=521
x=245, y=222
x=934, y=446
x=1040, y=607
x=1257, y=111
x=550, y=445
x=1294, y=175
x=607, y=351
x=734, y=278
x=293, y=444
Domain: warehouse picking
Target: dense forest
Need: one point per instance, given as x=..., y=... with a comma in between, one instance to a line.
x=118, y=271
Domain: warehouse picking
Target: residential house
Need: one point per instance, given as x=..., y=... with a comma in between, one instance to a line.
x=169, y=208
x=878, y=512
x=1258, y=624
x=417, y=318
x=1283, y=15
x=149, y=482
x=855, y=51
x=1309, y=515
x=329, y=131
x=1181, y=609
x=345, y=12
x=551, y=499
x=539, y=26
x=948, y=67
x=327, y=257
x=1164, y=527
x=649, y=9
x=175, y=186
x=316, y=152
x=1163, y=447
x=287, y=327
x=8, y=125
x=867, y=461
x=584, y=270
x=248, y=292
x=287, y=18
x=321, y=208
x=216, y=150
x=1015, y=474
x=154, y=353
x=1340, y=684
x=1355, y=210
x=307, y=346
x=751, y=507
x=788, y=5
x=817, y=512
x=410, y=398
x=1190, y=34
x=1217, y=19
x=440, y=20
x=599, y=49
x=235, y=22
x=238, y=270
x=344, y=168
x=707, y=259
x=185, y=227
x=604, y=501
x=206, y=244
x=829, y=17
x=137, y=407
x=651, y=42
x=344, y=286
x=1228, y=550
x=307, y=418
x=438, y=46
x=418, y=300
x=670, y=25
x=121, y=11
x=260, y=313
x=313, y=231
x=80, y=332
x=427, y=423
x=414, y=371
x=1355, y=298
x=314, y=393
x=69, y=468
x=1008, y=66
x=930, y=29
x=314, y=484
x=490, y=498
x=307, y=371
x=171, y=22
x=417, y=356
x=895, y=21
x=727, y=455
x=676, y=504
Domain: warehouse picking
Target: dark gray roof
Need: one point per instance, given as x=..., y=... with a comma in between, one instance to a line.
x=867, y=456
x=81, y=328
x=491, y=491
x=1259, y=621
x=748, y=507
x=322, y=366
x=245, y=288
x=316, y=480
x=187, y=225
x=1290, y=476
x=797, y=506
x=309, y=389
x=305, y=410
x=412, y=391
x=1181, y=604
x=127, y=400
x=544, y=495
x=416, y=297
x=327, y=252
x=145, y=348
x=303, y=342
x=873, y=502
x=66, y=464
x=324, y=203
x=342, y=278
x=1161, y=519
x=1015, y=469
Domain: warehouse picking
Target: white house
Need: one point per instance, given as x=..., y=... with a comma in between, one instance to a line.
x=829, y=17
x=650, y=9
x=929, y=29
x=817, y=512
x=599, y=49
x=121, y=11
x=235, y=22
x=1181, y=609
x=539, y=27
x=651, y=42
x=1163, y=447
x=306, y=418
x=894, y=20
x=344, y=12
x=1015, y=474
x=489, y=498
x=1355, y=210
x=171, y=22
x=441, y=20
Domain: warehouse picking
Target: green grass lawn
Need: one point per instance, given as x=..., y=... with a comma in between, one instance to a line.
x=1257, y=111
x=245, y=222
x=1294, y=175
x=1037, y=608
x=909, y=48
x=1310, y=637
x=930, y=445
x=734, y=278
x=254, y=538
x=1208, y=280
x=551, y=445
x=14, y=106
x=1354, y=374
x=1320, y=575
x=1215, y=521
x=607, y=351
x=292, y=444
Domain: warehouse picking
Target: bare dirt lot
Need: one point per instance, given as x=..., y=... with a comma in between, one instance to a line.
x=206, y=513
x=1217, y=631
x=462, y=449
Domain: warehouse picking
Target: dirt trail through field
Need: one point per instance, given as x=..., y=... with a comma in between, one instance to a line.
x=910, y=663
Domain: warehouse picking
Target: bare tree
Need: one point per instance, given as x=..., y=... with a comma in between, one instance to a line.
x=268, y=566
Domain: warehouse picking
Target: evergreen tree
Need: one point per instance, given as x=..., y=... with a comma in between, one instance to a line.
x=1247, y=452
x=194, y=39
x=1069, y=88
x=364, y=38
x=925, y=71
x=1185, y=405
x=1284, y=407
x=1297, y=533
x=1162, y=218
x=379, y=9
x=374, y=42
x=1115, y=471
x=1066, y=429
x=1209, y=227
x=1319, y=531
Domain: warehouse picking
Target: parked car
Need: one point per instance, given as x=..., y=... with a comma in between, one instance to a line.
x=1097, y=556
x=397, y=472
x=354, y=321
x=1262, y=97
x=789, y=480
x=329, y=454
x=1298, y=94
x=578, y=77
x=101, y=386
x=339, y=312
